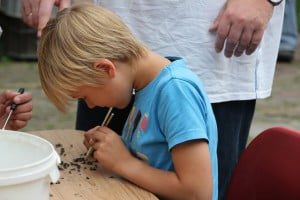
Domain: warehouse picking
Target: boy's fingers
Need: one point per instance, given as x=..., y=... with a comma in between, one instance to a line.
x=88, y=136
x=97, y=146
x=101, y=134
x=86, y=144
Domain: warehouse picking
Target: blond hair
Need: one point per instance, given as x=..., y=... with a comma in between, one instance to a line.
x=73, y=41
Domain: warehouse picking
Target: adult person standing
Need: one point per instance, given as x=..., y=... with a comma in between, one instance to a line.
x=208, y=33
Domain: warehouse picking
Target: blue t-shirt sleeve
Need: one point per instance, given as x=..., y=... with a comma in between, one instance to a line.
x=182, y=112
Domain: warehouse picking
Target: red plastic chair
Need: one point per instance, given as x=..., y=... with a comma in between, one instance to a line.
x=269, y=168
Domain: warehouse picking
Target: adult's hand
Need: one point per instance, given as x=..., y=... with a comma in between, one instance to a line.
x=23, y=112
x=36, y=13
x=241, y=23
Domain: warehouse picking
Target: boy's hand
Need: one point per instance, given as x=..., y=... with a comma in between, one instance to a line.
x=23, y=112
x=110, y=150
x=88, y=137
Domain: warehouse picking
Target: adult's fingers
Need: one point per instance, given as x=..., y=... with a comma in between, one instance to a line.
x=26, y=12
x=3, y=97
x=16, y=124
x=26, y=6
x=23, y=108
x=22, y=116
x=255, y=41
x=7, y=96
x=244, y=42
x=233, y=39
x=45, y=12
x=22, y=98
x=35, y=5
x=222, y=33
x=64, y=4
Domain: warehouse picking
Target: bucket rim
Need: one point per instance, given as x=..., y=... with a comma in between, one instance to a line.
x=43, y=160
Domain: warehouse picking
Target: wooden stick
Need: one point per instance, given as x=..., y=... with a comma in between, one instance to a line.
x=109, y=119
x=105, y=122
x=106, y=117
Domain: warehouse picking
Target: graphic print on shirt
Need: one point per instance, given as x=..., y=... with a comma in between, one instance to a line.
x=143, y=126
x=131, y=124
x=136, y=125
x=142, y=130
x=144, y=123
x=128, y=124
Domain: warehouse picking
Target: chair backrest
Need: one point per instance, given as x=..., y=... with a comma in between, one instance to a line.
x=269, y=168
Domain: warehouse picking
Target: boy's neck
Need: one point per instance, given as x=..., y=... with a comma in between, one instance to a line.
x=147, y=68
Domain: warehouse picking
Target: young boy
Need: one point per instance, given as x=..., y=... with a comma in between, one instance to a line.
x=169, y=141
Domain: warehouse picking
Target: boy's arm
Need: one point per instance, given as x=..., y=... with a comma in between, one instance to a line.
x=192, y=178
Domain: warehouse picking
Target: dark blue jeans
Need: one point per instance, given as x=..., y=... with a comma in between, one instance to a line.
x=233, y=120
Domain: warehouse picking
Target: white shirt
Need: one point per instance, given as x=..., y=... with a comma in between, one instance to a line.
x=180, y=28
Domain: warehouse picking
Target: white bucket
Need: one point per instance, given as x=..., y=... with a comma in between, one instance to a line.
x=27, y=165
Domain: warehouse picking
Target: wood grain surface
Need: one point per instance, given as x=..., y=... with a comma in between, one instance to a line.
x=86, y=180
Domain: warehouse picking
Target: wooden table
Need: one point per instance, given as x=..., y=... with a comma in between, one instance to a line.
x=91, y=181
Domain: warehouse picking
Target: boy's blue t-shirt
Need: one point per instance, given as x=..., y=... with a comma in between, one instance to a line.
x=172, y=109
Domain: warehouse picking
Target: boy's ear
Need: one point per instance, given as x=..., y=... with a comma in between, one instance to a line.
x=106, y=66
